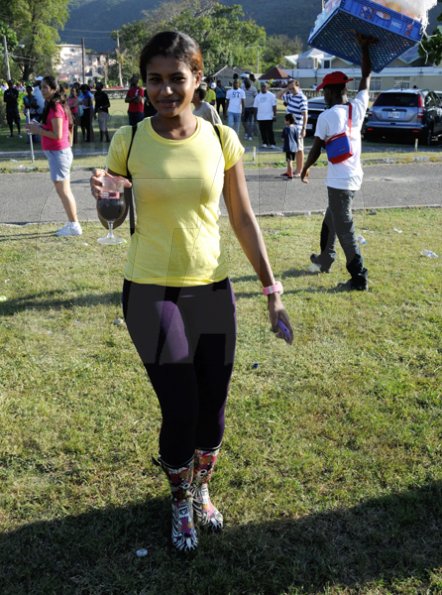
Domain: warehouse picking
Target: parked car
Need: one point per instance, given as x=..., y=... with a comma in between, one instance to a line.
x=316, y=105
x=405, y=114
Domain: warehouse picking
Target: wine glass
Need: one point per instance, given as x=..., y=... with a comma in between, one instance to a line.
x=111, y=205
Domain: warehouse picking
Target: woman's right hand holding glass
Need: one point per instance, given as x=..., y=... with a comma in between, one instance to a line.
x=96, y=181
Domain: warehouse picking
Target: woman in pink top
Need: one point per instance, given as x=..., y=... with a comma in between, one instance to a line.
x=54, y=130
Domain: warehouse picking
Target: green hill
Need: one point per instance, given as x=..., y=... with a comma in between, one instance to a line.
x=95, y=19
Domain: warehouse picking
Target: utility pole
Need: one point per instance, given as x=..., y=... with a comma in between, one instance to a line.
x=8, y=70
x=82, y=61
x=120, y=76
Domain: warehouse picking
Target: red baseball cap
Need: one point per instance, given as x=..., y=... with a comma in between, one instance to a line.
x=334, y=78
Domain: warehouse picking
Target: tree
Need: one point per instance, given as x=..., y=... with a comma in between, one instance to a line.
x=36, y=24
x=431, y=47
x=225, y=37
x=11, y=42
x=277, y=47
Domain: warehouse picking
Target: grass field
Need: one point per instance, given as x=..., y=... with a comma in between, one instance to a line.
x=330, y=478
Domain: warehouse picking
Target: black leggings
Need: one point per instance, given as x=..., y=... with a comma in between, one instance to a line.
x=186, y=338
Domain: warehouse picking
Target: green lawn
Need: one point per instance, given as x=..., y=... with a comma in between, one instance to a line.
x=330, y=477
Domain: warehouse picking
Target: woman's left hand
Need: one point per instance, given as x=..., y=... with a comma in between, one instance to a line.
x=33, y=128
x=279, y=320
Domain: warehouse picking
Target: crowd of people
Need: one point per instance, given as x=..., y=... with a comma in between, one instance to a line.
x=85, y=103
x=244, y=101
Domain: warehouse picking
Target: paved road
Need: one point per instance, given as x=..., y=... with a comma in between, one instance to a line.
x=30, y=197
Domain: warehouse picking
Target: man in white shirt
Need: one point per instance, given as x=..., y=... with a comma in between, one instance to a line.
x=343, y=178
x=235, y=106
x=265, y=104
x=297, y=105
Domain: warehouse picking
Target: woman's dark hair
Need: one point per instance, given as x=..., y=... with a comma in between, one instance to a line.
x=172, y=44
x=58, y=97
x=201, y=93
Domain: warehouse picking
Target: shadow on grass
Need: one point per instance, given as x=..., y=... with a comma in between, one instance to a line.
x=57, y=300
x=27, y=236
x=380, y=541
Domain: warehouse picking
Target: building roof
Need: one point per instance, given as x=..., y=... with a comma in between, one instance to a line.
x=315, y=53
x=275, y=72
x=293, y=59
x=227, y=71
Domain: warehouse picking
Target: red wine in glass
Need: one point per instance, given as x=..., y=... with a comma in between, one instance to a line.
x=110, y=206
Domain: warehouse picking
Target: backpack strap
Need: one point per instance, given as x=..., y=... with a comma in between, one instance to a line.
x=218, y=134
x=128, y=192
x=350, y=111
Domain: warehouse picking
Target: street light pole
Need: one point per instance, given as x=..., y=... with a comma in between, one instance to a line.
x=120, y=76
x=82, y=60
x=8, y=70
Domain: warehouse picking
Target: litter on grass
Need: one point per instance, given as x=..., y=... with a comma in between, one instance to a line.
x=141, y=553
x=429, y=254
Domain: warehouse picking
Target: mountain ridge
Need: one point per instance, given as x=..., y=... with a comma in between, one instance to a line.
x=292, y=18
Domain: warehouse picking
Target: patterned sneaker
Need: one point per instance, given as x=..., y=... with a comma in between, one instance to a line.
x=72, y=228
x=184, y=536
x=207, y=515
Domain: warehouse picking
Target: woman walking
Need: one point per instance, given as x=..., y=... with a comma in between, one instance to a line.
x=177, y=299
x=54, y=130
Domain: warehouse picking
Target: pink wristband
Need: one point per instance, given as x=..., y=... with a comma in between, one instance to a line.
x=276, y=288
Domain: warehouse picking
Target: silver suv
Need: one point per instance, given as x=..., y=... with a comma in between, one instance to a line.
x=405, y=114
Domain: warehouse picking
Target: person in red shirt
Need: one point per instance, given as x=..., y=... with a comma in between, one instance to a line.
x=54, y=130
x=135, y=99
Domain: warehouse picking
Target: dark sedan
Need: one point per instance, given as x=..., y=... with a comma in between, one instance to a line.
x=316, y=105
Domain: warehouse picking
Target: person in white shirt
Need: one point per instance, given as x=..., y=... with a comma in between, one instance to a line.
x=203, y=109
x=265, y=104
x=345, y=177
x=235, y=106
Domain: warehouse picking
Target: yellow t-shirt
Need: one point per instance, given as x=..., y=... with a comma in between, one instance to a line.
x=210, y=96
x=177, y=187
